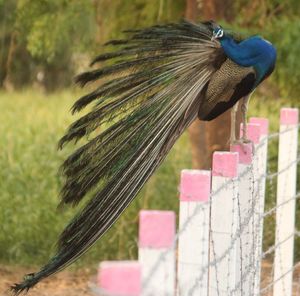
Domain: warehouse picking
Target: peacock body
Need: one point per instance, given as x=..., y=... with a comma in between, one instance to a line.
x=152, y=86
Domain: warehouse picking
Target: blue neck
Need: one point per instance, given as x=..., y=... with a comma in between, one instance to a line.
x=252, y=52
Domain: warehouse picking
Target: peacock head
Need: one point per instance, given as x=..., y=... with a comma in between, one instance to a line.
x=218, y=33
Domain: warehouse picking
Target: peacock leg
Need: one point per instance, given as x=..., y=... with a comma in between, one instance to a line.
x=233, y=124
x=244, y=109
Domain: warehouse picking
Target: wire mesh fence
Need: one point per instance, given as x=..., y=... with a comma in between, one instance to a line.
x=217, y=249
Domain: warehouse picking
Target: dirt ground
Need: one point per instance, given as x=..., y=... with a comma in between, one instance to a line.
x=62, y=284
x=78, y=283
x=267, y=277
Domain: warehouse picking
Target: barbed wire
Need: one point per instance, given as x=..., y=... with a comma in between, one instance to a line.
x=262, y=291
x=275, y=135
x=273, y=210
x=269, y=251
x=237, y=234
x=242, y=225
x=275, y=246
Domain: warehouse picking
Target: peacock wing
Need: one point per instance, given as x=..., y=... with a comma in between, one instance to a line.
x=227, y=85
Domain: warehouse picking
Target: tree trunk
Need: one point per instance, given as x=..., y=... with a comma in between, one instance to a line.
x=197, y=129
x=7, y=82
x=218, y=130
x=217, y=10
x=191, y=11
x=207, y=137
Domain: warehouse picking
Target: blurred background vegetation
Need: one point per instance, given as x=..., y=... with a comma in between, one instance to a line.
x=43, y=44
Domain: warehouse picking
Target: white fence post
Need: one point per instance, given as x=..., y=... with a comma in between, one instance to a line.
x=119, y=278
x=193, y=244
x=224, y=223
x=245, y=217
x=285, y=214
x=254, y=135
x=157, y=252
x=261, y=155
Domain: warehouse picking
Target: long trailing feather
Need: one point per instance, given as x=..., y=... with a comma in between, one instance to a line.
x=148, y=98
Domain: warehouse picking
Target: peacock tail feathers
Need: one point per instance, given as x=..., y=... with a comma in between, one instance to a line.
x=167, y=60
x=149, y=92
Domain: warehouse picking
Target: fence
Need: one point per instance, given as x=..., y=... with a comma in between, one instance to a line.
x=217, y=249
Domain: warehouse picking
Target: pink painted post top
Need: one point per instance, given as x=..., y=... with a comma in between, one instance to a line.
x=195, y=185
x=263, y=122
x=120, y=278
x=156, y=229
x=289, y=116
x=244, y=151
x=253, y=132
x=225, y=164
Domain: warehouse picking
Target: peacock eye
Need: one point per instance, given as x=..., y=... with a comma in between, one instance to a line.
x=218, y=33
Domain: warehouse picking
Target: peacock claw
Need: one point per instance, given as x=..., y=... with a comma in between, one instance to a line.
x=241, y=142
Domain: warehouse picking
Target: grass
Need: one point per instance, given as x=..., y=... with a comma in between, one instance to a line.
x=31, y=125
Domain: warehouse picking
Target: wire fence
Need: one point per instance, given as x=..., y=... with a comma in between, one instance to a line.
x=232, y=262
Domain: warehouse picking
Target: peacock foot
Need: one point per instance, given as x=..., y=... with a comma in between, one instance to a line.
x=242, y=142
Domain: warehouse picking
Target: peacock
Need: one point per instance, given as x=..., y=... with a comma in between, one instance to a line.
x=149, y=88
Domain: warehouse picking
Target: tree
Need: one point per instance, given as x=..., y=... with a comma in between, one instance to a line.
x=50, y=32
x=207, y=137
x=121, y=15
x=197, y=129
x=8, y=41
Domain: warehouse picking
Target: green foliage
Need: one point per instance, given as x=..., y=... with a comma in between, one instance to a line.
x=29, y=161
x=262, y=106
x=31, y=126
x=279, y=22
x=7, y=20
x=284, y=33
x=51, y=33
x=50, y=28
x=121, y=15
x=7, y=15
